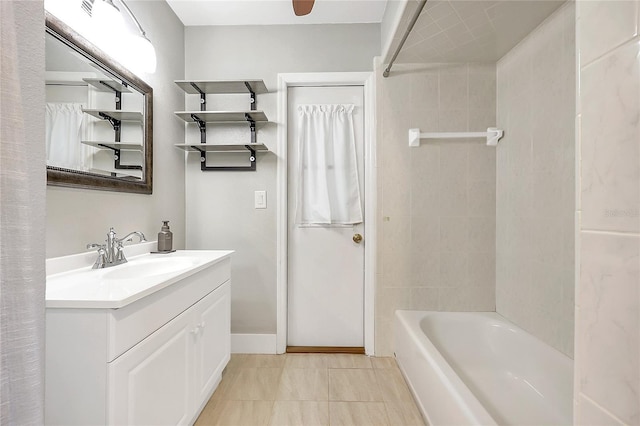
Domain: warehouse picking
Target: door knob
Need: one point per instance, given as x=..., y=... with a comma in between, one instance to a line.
x=357, y=238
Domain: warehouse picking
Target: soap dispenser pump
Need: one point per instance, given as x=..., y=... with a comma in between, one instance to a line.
x=165, y=237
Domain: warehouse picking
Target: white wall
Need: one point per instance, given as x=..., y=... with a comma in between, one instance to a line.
x=607, y=382
x=220, y=213
x=535, y=182
x=22, y=189
x=436, y=202
x=76, y=217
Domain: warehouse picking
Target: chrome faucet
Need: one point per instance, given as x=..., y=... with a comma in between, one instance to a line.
x=112, y=252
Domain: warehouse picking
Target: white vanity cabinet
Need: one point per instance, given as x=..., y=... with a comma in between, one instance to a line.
x=155, y=361
x=167, y=377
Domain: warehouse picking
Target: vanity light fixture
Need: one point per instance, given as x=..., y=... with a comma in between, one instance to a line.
x=141, y=48
x=102, y=22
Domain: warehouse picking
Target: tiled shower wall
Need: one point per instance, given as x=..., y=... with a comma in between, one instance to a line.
x=607, y=373
x=437, y=202
x=535, y=182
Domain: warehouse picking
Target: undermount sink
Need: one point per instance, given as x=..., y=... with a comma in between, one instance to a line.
x=148, y=267
x=118, y=286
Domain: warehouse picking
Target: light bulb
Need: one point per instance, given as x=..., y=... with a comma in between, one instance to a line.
x=140, y=56
x=107, y=28
x=146, y=54
x=71, y=13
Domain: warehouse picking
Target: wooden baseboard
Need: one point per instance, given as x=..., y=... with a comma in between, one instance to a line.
x=325, y=350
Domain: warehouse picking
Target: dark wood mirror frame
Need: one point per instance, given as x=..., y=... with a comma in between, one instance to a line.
x=78, y=179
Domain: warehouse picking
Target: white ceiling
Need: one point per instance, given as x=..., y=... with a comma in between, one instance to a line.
x=275, y=12
x=469, y=30
x=446, y=31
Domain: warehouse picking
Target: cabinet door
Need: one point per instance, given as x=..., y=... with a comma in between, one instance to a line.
x=213, y=344
x=151, y=383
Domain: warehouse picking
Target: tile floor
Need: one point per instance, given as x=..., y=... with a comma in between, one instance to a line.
x=311, y=389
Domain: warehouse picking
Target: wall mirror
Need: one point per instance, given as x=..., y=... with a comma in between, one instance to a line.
x=99, y=130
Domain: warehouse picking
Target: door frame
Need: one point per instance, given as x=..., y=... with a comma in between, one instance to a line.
x=365, y=79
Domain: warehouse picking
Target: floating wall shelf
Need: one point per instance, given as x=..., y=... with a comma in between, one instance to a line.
x=204, y=117
x=123, y=146
x=223, y=87
x=115, y=114
x=222, y=116
x=115, y=118
x=492, y=134
x=106, y=85
x=209, y=147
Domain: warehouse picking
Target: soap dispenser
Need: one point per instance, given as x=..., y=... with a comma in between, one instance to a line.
x=165, y=237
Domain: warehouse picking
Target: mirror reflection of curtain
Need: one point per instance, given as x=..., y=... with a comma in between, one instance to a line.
x=328, y=189
x=64, y=132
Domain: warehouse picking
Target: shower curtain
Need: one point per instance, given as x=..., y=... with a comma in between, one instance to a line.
x=64, y=136
x=22, y=212
x=328, y=190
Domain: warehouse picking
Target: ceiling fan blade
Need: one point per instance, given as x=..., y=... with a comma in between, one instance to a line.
x=302, y=7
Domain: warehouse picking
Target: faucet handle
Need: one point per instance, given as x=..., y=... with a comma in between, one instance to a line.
x=102, y=255
x=119, y=255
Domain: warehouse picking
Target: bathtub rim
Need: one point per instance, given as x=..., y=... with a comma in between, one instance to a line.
x=408, y=325
x=463, y=397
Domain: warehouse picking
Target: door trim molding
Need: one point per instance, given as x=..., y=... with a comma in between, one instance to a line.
x=365, y=79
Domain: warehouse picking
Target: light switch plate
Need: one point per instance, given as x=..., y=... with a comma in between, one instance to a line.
x=260, y=199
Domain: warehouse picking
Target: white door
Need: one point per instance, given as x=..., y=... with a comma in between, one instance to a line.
x=326, y=267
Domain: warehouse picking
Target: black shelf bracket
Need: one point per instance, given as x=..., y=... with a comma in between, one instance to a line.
x=252, y=127
x=115, y=123
x=203, y=97
x=252, y=94
x=202, y=125
x=250, y=168
x=117, y=128
x=116, y=159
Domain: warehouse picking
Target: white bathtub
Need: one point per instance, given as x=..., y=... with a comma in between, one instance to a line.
x=477, y=368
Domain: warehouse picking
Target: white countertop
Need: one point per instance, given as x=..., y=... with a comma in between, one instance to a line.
x=73, y=284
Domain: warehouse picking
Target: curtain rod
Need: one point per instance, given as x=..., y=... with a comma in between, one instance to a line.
x=404, y=37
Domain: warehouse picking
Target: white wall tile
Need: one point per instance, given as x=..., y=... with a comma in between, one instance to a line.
x=429, y=251
x=454, y=234
x=533, y=161
x=610, y=141
x=482, y=235
x=481, y=162
x=481, y=198
x=480, y=299
x=482, y=88
x=481, y=270
x=396, y=252
x=452, y=197
x=604, y=25
x=425, y=92
x=424, y=299
x=425, y=196
x=609, y=330
x=454, y=91
x=453, y=269
x=453, y=120
x=589, y=414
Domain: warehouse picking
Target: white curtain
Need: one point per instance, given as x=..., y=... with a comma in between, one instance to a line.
x=22, y=213
x=328, y=189
x=64, y=135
